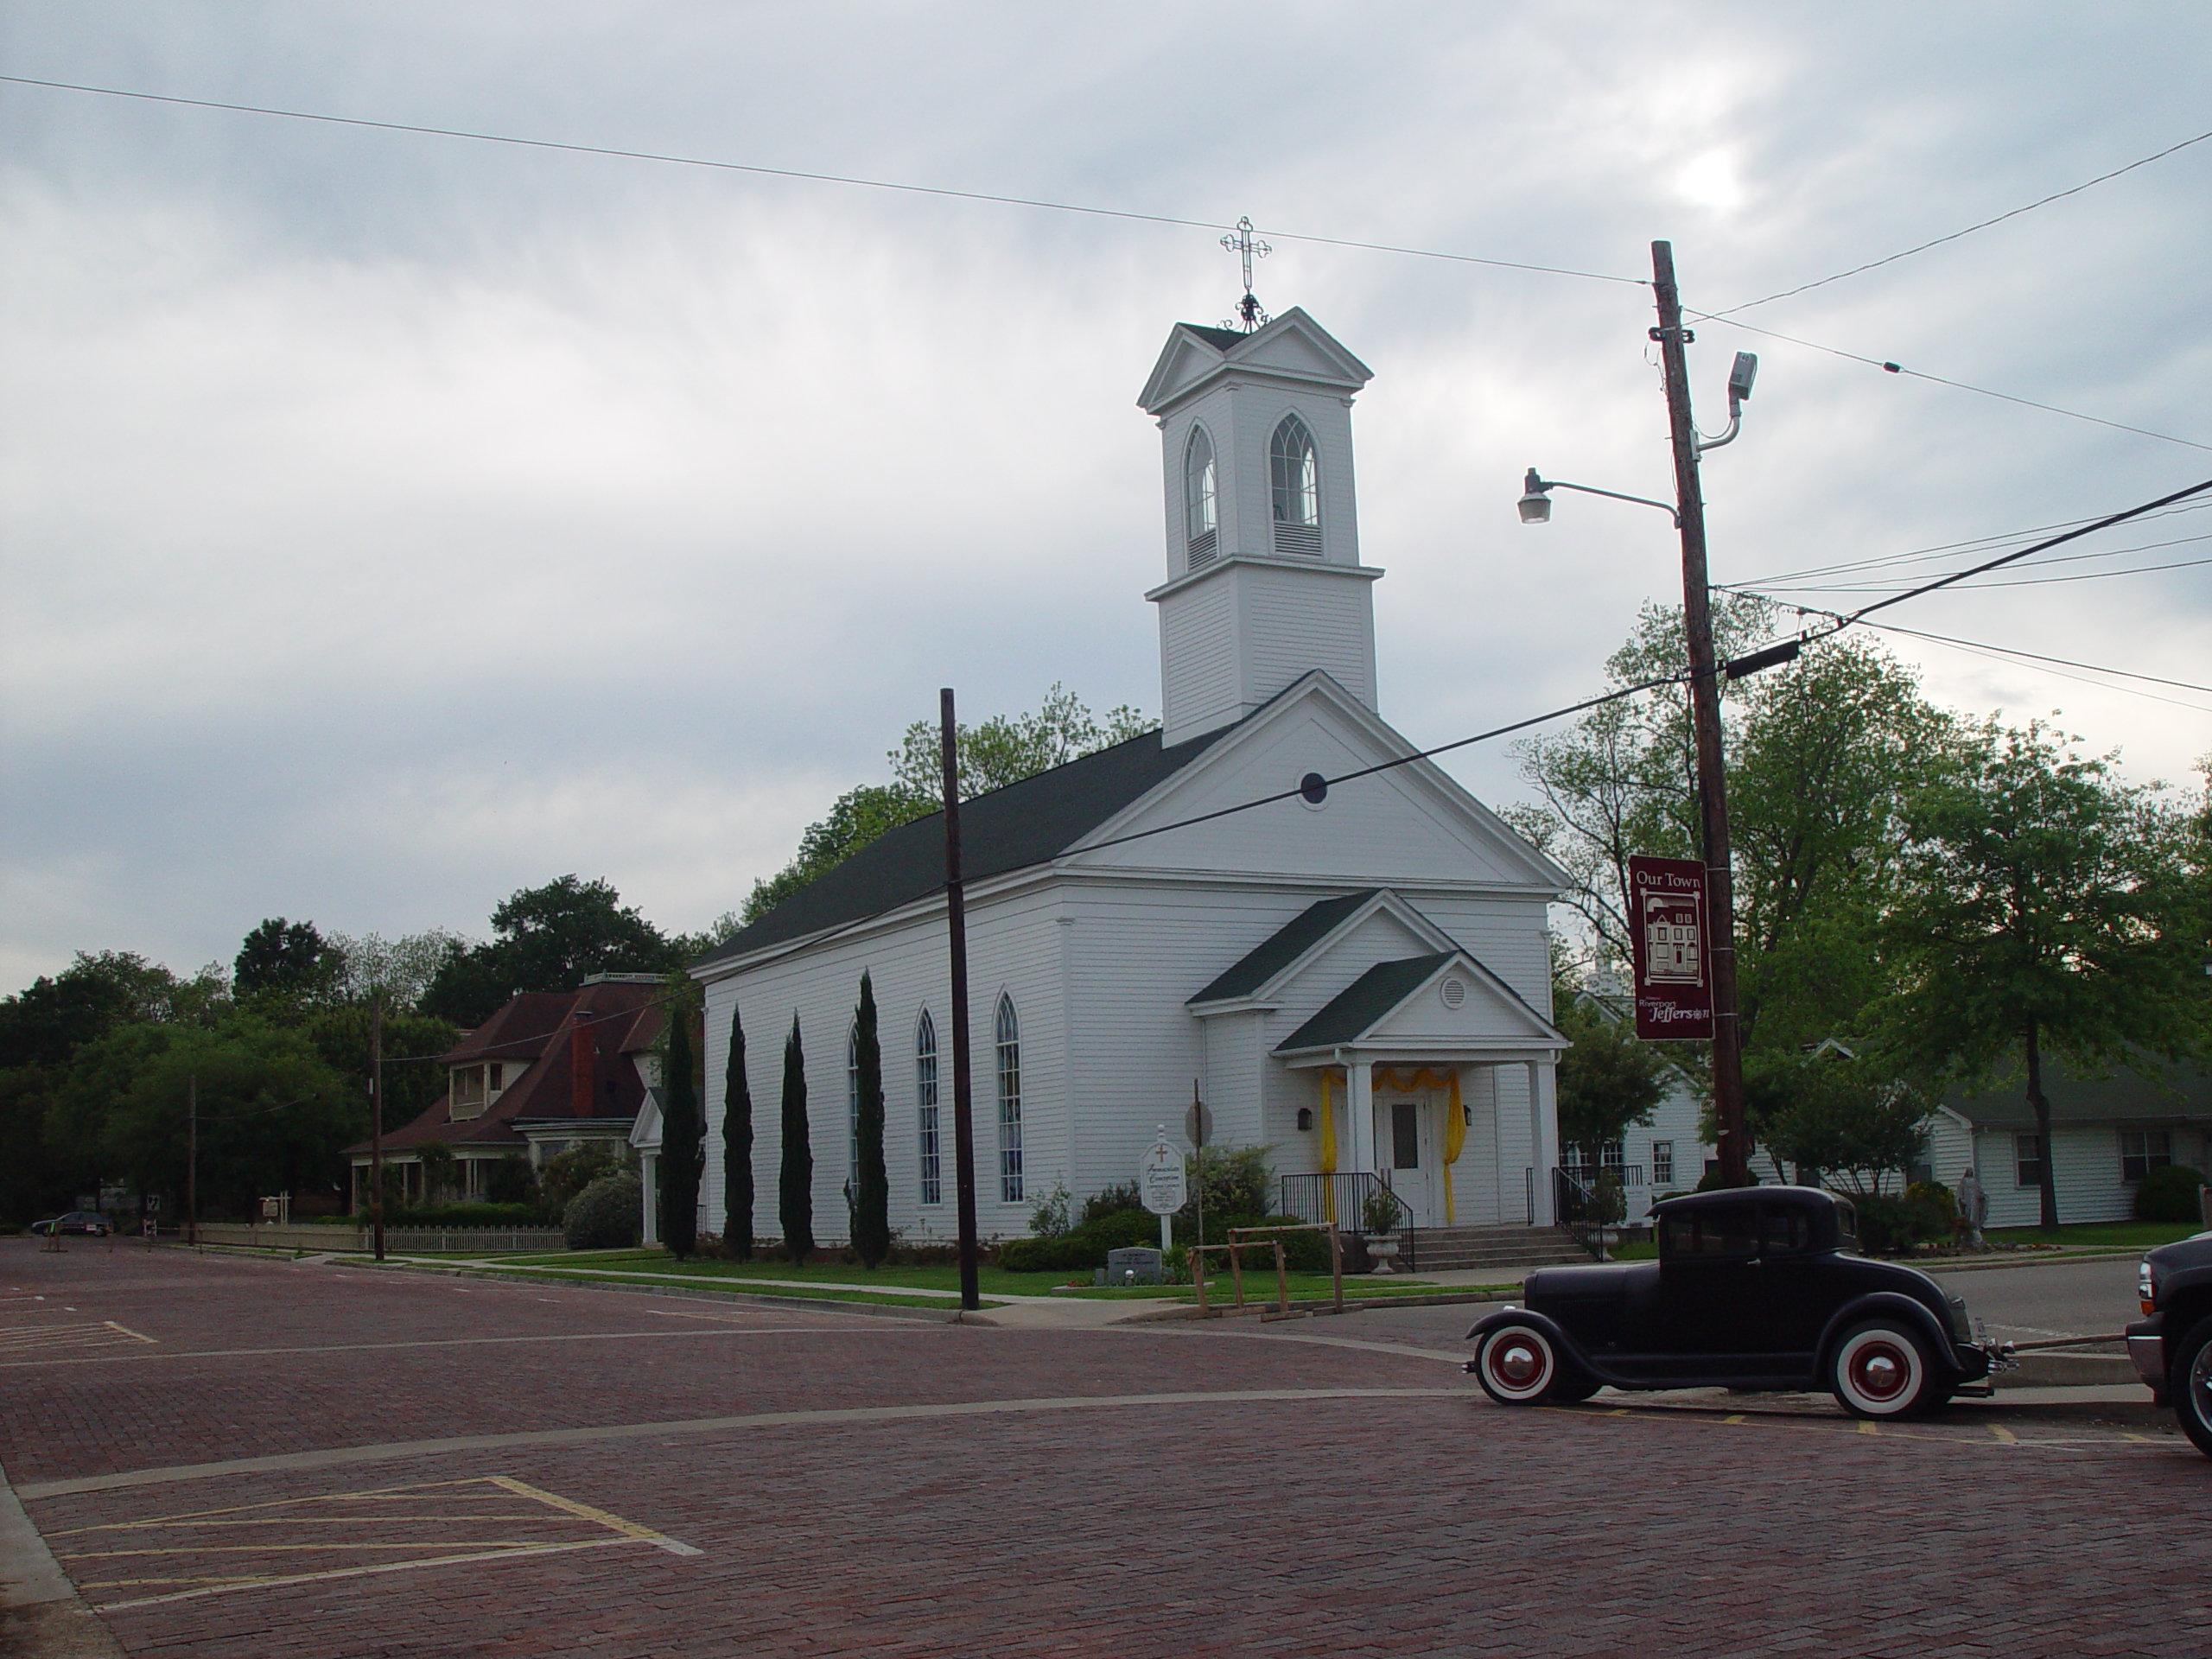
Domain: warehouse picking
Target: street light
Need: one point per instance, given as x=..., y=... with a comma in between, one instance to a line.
x=1688, y=514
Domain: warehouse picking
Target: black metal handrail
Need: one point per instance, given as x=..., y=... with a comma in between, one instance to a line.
x=1574, y=1207
x=1342, y=1198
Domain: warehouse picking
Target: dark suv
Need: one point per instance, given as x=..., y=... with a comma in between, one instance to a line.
x=2172, y=1345
x=1760, y=1289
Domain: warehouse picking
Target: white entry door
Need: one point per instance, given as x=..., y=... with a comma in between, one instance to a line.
x=1405, y=1145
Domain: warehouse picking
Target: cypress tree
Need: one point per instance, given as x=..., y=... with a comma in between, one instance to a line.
x=796, y=1194
x=871, y=1184
x=737, y=1148
x=683, y=1142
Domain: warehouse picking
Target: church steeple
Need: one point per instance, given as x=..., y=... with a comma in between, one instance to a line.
x=1264, y=578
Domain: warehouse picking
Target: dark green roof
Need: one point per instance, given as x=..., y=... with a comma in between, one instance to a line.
x=1354, y=1010
x=2149, y=1095
x=1220, y=339
x=1284, y=946
x=1024, y=823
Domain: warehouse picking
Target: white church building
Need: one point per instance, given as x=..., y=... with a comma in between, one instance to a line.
x=1359, y=982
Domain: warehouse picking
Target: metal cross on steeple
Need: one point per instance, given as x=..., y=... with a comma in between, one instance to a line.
x=1249, y=315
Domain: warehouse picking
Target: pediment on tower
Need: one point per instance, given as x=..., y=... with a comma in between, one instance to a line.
x=1408, y=824
x=1294, y=348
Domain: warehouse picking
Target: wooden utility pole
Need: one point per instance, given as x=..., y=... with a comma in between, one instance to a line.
x=956, y=919
x=1705, y=717
x=376, y=1118
x=192, y=1157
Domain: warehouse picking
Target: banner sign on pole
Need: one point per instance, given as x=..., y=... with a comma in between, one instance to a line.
x=1674, y=985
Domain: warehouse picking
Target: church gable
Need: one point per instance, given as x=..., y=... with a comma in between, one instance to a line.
x=1409, y=823
x=1322, y=947
x=1292, y=347
x=1444, y=999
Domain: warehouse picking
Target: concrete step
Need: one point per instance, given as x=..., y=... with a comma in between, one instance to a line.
x=1444, y=1250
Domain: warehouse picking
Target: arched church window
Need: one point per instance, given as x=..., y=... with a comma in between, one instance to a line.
x=853, y=1106
x=1009, y=1078
x=1294, y=471
x=1199, y=535
x=925, y=1101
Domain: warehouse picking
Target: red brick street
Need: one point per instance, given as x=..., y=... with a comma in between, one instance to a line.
x=234, y=1457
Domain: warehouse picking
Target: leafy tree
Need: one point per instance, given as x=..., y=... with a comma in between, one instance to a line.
x=1609, y=1081
x=413, y=1082
x=1853, y=1120
x=273, y=1114
x=737, y=1148
x=438, y=1159
x=795, y=1208
x=871, y=1182
x=47, y=1023
x=549, y=940
x=288, y=963
x=1005, y=749
x=1002, y=750
x=683, y=1142
x=568, y=1173
x=2047, y=908
x=398, y=970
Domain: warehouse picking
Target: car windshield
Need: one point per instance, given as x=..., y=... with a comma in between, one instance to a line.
x=1728, y=1229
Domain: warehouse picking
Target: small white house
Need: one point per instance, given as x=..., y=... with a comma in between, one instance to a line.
x=2105, y=1137
x=1664, y=1155
x=1356, y=977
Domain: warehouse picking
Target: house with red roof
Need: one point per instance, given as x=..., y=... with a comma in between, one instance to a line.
x=550, y=1071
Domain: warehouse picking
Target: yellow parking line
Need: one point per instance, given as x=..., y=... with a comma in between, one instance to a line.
x=2004, y=1434
x=614, y=1522
x=219, y=1588
x=293, y=1549
x=1866, y=1427
x=1738, y=1418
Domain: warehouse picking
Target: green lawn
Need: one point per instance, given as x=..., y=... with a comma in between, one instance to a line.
x=887, y=1296
x=652, y=1265
x=2101, y=1235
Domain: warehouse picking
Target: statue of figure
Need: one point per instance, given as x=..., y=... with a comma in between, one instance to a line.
x=1974, y=1208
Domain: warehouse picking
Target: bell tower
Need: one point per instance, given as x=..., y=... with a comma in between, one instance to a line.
x=1264, y=582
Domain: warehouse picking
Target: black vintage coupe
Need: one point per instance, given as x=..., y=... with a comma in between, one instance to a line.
x=1758, y=1288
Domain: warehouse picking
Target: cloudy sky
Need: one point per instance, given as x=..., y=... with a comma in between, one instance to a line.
x=390, y=521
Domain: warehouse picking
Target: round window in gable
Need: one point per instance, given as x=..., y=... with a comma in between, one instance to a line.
x=1453, y=991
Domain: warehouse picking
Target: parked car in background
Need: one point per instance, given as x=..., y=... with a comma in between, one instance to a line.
x=2171, y=1344
x=77, y=1221
x=1755, y=1289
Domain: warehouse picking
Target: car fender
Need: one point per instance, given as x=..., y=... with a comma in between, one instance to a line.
x=1569, y=1349
x=1888, y=1304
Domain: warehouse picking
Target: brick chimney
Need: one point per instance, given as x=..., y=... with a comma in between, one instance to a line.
x=583, y=1072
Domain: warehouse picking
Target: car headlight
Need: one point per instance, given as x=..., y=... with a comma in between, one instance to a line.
x=2146, y=1287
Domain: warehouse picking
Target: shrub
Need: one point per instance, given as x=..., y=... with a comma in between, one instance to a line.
x=1891, y=1226
x=508, y=1181
x=1936, y=1193
x=2169, y=1194
x=1111, y=1201
x=565, y=1176
x=1081, y=1247
x=1048, y=1216
x=606, y=1215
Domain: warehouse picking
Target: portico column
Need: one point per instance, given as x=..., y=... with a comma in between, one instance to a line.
x=649, y=1169
x=1543, y=1134
x=1359, y=1107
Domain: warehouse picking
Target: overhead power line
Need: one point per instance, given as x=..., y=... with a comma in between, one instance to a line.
x=668, y=158
x=1126, y=214
x=2037, y=657
x=1925, y=555
x=1890, y=367
x=1937, y=242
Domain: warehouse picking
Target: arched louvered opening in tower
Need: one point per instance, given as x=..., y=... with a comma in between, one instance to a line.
x=1200, y=529
x=1295, y=472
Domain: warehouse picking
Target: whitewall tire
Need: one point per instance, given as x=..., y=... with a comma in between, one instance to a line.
x=1882, y=1370
x=1517, y=1365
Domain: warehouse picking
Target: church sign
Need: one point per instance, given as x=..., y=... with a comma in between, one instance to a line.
x=1674, y=991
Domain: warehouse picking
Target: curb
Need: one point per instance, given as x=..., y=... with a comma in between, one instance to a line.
x=41, y=1612
x=756, y=1299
